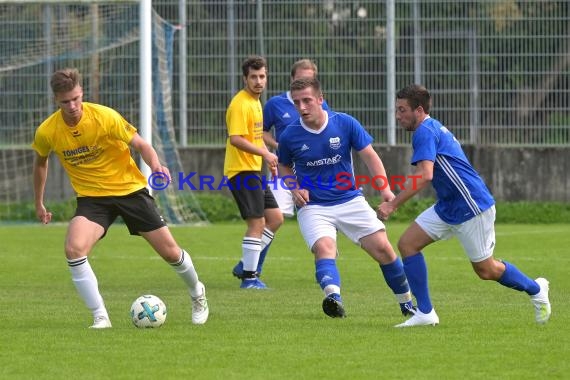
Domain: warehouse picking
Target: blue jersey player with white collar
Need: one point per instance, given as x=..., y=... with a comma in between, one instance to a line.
x=322, y=155
x=319, y=147
x=464, y=208
x=278, y=113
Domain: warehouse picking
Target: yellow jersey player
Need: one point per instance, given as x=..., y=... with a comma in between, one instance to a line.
x=92, y=143
x=245, y=152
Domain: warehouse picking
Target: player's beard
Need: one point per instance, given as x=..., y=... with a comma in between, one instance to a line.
x=255, y=91
x=409, y=125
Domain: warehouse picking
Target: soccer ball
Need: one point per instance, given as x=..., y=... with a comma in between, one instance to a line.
x=148, y=311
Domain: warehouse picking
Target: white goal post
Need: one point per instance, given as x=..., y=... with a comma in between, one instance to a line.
x=145, y=123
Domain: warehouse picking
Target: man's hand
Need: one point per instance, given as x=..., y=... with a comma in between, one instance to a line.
x=271, y=161
x=43, y=215
x=300, y=196
x=162, y=169
x=385, y=210
x=387, y=195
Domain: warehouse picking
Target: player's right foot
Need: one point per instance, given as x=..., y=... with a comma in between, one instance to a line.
x=540, y=301
x=101, y=322
x=200, y=310
x=238, y=270
x=252, y=283
x=332, y=306
x=421, y=319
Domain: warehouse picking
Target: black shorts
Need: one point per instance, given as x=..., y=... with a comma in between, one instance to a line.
x=251, y=194
x=138, y=210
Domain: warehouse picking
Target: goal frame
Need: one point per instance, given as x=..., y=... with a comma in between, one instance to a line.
x=145, y=61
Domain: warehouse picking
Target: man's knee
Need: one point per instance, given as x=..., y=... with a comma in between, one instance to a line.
x=489, y=269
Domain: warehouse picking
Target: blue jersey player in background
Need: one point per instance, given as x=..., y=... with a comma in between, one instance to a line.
x=319, y=147
x=464, y=208
x=279, y=111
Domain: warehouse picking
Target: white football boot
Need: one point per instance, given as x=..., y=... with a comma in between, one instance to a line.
x=200, y=310
x=101, y=322
x=541, y=302
x=421, y=319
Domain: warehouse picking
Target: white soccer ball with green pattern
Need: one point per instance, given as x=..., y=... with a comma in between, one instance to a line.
x=148, y=311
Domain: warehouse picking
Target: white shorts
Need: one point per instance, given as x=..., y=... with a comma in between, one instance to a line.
x=283, y=197
x=477, y=235
x=355, y=218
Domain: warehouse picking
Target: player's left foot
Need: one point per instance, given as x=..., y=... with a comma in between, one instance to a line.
x=101, y=322
x=540, y=301
x=332, y=306
x=408, y=309
x=200, y=310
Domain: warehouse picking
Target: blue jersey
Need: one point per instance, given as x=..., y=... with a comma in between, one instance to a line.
x=279, y=111
x=461, y=193
x=322, y=159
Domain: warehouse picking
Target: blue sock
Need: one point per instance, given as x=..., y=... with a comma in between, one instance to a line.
x=266, y=240
x=416, y=272
x=327, y=274
x=515, y=279
x=397, y=281
x=262, y=258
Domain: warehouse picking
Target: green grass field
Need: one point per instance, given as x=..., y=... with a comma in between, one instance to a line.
x=486, y=330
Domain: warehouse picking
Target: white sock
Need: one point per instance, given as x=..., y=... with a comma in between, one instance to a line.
x=185, y=269
x=251, y=248
x=404, y=297
x=329, y=289
x=86, y=284
x=266, y=238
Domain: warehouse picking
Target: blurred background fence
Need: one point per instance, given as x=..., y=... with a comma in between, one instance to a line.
x=498, y=70
x=499, y=73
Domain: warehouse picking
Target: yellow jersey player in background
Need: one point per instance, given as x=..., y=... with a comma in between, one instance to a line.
x=245, y=152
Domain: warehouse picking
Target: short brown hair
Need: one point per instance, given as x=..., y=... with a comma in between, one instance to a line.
x=65, y=80
x=255, y=62
x=416, y=95
x=304, y=64
x=303, y=83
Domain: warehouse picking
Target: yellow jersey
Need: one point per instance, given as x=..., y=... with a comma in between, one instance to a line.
x=94, y=153
x=244, y=117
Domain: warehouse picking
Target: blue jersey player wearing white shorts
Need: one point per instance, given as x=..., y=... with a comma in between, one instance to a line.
x=464, y=208
x=278, y=112
x=319, y=147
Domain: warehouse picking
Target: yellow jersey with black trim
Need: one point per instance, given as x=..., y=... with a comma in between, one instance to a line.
x=94, y=153
x=244, y=117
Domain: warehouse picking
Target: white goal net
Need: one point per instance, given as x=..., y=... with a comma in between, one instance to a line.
x=101, y=39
